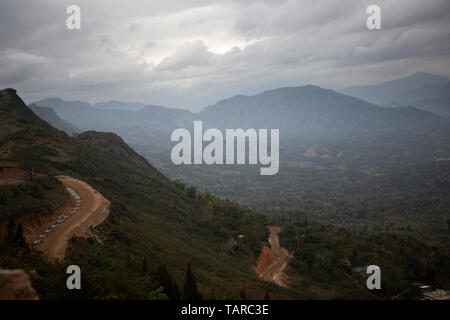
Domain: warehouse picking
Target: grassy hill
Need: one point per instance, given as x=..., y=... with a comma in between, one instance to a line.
x=151, y=218
x=157, y=222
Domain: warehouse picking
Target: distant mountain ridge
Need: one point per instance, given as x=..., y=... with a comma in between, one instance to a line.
x=49, y=115
x=104, y=105
x=119, y=105
x=89, y=117
x=307, y=111
x=313, y=111
x=422, y=90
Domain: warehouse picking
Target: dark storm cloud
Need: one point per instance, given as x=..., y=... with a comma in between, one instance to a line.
x=192, y=53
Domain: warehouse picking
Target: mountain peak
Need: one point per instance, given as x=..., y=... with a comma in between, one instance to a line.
x=312, y=111
x=309, y=88
x=12, y=106
x=8, y=91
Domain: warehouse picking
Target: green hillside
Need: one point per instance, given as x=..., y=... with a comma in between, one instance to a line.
x=157, y=224
x=151, y=218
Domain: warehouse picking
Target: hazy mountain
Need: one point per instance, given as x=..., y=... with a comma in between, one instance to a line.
x=119, y=105
x=438, y=106
x=89, y=117
x=49, y=115
x=311, y=111
x=422, y=90
x=57, y=103
x=308, y=111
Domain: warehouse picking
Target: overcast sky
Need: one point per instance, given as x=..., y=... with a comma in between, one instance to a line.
x=192, y=53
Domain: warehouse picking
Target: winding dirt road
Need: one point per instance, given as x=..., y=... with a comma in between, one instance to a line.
x=93, y=210
x=273, y=261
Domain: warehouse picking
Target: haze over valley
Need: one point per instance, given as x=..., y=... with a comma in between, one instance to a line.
x=332, y=147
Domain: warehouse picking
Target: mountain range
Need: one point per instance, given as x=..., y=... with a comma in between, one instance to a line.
x=90, y=117
x=311, y=111
x=307, y=112
x=422, y=90
x=158, y=228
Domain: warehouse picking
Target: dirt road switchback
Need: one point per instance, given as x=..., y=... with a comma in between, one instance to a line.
x=273, y=261
x=89, y=209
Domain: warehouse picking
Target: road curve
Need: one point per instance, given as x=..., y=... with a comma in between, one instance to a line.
x=93, y=210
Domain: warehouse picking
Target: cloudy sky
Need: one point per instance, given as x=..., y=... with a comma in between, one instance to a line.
x=191, y=53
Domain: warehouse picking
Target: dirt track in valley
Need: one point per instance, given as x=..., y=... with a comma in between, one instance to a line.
x=93, y=210
x=273, y=261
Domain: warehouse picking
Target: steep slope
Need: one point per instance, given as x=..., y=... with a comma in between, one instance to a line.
x=49, y=115
x=113, y=143
x=151, y=218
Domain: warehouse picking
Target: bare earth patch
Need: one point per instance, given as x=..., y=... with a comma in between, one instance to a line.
x=273, y=261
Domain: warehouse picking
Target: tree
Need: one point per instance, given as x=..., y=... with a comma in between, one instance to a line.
x=266, y=296
x=157, y=294
x=211, y=296
x=11, y=230
x=19, y=238
x=165, y=280
x=144, y=267
x=190, y=291
x=242, y=294
x=192, y=192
